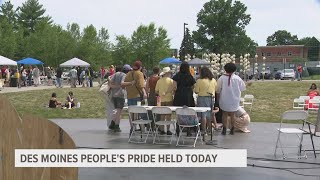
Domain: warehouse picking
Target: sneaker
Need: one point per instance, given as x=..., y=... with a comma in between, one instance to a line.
x=224, y=131
x=112, y=125
x=169, y=133
x=232, y=131
x=116, y=128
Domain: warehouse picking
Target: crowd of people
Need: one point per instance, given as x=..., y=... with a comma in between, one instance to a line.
x=169, y=88
x=32, y=75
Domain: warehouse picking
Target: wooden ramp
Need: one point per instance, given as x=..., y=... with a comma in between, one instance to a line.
x=30, y=133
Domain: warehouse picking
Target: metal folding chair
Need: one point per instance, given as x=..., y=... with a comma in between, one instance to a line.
x=313, y=132
x=298, y=104
x=139, y=122
x=293, y=115
x=305, y=98
x=187, y=118
x=316, y=97
x=313, y=105
x=162, y=111
x=248, y=100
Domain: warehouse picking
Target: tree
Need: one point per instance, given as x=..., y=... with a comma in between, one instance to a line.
x=282, y=37
x=304, y=41
x=150, y=44
x=8, y=12
x=8, y=41
x=31, y=13
x=187, y=45
x=222, y=27
x=122, y=51
x=74, y=29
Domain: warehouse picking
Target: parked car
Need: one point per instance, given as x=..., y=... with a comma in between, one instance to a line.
x=285, y=74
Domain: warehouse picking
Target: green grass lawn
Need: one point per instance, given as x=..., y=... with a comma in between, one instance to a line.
x=271, y=99
x=314, y=77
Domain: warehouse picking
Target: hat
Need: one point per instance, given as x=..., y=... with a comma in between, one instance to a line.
x=137, y=65
x=165, y=70
x=127, y=67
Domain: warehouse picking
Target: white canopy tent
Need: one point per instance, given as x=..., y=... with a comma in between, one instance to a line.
x=75, y=62
x=7, y=61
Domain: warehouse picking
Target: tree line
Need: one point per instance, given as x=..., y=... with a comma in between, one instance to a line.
x=26, y=31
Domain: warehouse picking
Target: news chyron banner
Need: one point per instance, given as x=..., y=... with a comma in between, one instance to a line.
x=130, y=158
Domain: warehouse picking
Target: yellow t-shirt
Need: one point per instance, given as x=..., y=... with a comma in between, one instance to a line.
x=17, y=75
x=205, y=86
x=162, y=88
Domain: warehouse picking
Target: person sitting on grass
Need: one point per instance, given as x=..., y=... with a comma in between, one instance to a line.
x=70, y=100
x=313, y=91
x=53, y=102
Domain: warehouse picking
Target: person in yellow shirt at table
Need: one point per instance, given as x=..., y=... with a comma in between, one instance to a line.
x=205, y=87
x=164, y=89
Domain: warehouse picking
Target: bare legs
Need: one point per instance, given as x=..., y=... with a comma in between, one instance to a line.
x=225, y=122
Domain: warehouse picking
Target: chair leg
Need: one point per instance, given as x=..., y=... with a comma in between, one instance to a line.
x=314, y=151
x=300, y=145
x=275, y=151
x=155, y=134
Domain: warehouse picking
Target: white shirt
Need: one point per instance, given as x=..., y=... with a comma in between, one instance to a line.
x=230, y=95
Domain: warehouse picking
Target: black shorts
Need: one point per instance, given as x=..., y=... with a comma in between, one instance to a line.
x=118, y=102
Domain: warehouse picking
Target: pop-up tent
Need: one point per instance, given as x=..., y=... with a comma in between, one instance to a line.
x=7, y=61
x=198, y=62
x=170, y=61
x=30, y=61
x=75, y=62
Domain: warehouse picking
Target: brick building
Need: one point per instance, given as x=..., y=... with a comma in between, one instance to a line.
x=279, y=53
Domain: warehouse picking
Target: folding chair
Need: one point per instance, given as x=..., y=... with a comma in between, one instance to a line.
x=248, y=100
x=313, y=105
x=293, y=115
x=241, y=102
x=142, y=123
x=187, y=118
x=313, y=132
x=316, y=97
x=158, y=112
x=298, y=104
x=305, y=98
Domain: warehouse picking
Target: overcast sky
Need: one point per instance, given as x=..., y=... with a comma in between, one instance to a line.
x=300, y=17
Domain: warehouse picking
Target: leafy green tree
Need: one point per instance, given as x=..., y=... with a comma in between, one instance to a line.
x=304, y=41
x=150, y=44
x=8, y=12
x=8, y=43
x=282, y=37
x=187, y=45
x=104, y=47
x=50, y=44
x=222, y=27
x=122, y=51
x=74, y=30
x=30, y=13
x=94, y=46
